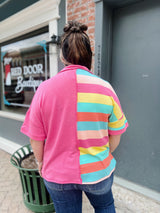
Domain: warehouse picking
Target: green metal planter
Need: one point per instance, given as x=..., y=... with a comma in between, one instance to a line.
x=35, y=195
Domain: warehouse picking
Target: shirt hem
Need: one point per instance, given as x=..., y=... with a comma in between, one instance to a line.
x=94, y=182
x=77, y=182
x=61, y=182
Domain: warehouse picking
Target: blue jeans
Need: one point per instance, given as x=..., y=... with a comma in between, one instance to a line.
x=67, y=198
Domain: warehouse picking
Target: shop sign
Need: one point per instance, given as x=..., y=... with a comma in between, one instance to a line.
x=20, y=73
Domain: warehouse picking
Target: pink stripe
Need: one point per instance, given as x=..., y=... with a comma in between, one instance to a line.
x=118, y=132
x=93, y=142
x=93, y=80
x=91, y=134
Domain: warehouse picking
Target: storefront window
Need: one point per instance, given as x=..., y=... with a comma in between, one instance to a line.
x=25, y=65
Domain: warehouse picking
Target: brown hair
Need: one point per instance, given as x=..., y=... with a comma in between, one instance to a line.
x=75, y=44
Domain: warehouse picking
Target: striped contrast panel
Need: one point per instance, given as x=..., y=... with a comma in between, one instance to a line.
x=98, y=112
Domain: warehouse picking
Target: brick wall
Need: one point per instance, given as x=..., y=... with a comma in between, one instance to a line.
x=84, y=12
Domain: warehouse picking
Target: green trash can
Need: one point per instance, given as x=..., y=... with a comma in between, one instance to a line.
x=35, y=195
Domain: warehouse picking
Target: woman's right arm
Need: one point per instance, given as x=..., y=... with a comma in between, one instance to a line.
x=114, y=141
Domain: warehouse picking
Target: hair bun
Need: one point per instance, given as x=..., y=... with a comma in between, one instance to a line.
x=75, y=27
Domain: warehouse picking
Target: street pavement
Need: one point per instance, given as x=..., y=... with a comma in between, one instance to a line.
x=11, y=201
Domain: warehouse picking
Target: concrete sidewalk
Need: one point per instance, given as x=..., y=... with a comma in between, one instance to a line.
x=126, y=201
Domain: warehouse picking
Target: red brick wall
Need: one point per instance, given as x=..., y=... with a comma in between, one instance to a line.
x=84, y=12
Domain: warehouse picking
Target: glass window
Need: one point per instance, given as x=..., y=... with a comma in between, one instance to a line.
x=25, y=65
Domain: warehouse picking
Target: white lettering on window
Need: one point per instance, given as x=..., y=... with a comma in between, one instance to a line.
x=33, y=69
x=29, y=83
x=16, y=71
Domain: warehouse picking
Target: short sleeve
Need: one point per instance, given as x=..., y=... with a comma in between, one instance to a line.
x=33, y=125
x=117, y=121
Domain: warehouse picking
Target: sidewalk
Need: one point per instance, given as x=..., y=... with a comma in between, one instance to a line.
x=126, y=201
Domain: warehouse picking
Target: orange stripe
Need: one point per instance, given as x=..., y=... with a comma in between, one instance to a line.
x=92, y=116
x=96, y=166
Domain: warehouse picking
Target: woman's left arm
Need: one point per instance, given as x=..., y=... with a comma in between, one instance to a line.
x=38, y=149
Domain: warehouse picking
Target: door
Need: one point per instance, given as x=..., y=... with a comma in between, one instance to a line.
x=136, y=79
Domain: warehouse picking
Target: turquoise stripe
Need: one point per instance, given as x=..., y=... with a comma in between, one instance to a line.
x=91, y=125
x=94, y=107
x=112, y=118
x=95, y=176
x=84, y=72
x=84, y=159
x=116, y=129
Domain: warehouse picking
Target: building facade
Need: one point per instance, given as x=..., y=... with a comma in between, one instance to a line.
x=124, y=36
x=29, y=55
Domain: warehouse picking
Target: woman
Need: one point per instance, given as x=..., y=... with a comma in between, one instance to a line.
x=75, y=122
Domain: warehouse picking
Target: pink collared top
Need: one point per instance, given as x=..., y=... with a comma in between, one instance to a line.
x=75, y=112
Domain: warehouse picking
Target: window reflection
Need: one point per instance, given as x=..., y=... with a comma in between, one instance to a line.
x=25, y=66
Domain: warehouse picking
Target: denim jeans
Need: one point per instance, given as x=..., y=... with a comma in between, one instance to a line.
x=67, y=198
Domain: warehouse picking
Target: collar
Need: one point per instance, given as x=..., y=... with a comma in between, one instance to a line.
x=74, y=67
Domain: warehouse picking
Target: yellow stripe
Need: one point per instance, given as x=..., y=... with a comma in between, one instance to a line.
x=93, y=150
x=117, y=124
x=94, y=98
x=117, y=110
